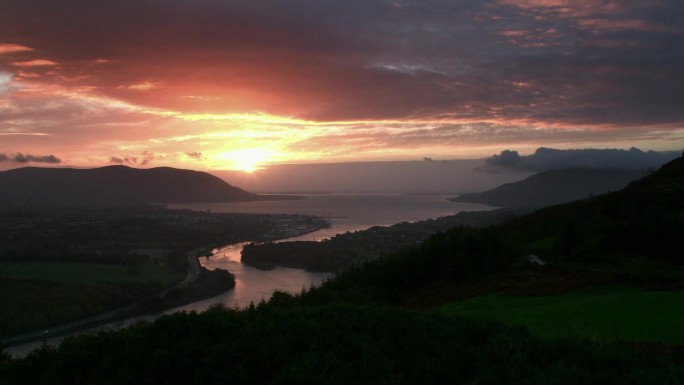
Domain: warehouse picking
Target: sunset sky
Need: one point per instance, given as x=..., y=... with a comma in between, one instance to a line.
x=225, y=84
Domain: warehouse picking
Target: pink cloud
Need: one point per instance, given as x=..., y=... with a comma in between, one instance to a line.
x=573, y=8
x=145, y=86
x=122, y=89
x=27, y=75
x=12, y=48
x=514, y=33
x=35, y=63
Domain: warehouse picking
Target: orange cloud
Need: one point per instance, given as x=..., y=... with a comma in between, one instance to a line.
x=145, y=86
x=387, y=82
x=11, y=48
x=35, y=63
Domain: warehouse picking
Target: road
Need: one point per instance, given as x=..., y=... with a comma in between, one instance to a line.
x=193, y=266
x=110, y=316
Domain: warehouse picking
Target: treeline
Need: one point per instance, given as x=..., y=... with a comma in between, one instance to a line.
x=55, y=303
x=114, y=236
x=208, y=284
x=330, y=344
x=347, y=331
x=344, y=250
x=641, y=224
x=30, y=305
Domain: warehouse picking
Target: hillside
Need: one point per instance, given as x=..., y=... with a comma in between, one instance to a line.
x=113, y=186
x=553, y=187
x=642, y=222
x=346, y=330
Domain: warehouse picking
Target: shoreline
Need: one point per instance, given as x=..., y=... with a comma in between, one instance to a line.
x=119, y=314
x=137, y=311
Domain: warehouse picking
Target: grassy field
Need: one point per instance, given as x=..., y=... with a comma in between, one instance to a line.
x=88, y=273
x=602, y=314
x=35, y=295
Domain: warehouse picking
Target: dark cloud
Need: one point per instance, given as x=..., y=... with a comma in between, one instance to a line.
x=126, y=160
x=28, y=158
x=551, y=159
x=147, y=158
x=143, y=159
x=577, y=63
x=506, y=158
x=196, y=155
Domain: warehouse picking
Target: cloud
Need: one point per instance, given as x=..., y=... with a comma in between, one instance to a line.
x=551, y=159
x=13, y=48
x=128, y=160
x=470, y=73
x=35, y=63
x=145, y=86
x=136, y=160
x=5, y=79
x=506, y=158
x=377, y=60
x=28, y=158
x=196, y=155
x=147, y=158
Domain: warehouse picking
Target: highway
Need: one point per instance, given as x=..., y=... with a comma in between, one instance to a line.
x=110, y=316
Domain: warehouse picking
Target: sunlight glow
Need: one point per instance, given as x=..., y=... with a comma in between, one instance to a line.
x=5, y=79
x=247, y=160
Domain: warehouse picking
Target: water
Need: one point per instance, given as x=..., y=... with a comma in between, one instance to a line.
x=347, y=213
x=252, y=285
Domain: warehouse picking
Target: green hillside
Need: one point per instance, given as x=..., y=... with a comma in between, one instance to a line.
x=641, y=224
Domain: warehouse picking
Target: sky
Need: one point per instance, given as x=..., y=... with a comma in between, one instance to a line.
x=223, y=84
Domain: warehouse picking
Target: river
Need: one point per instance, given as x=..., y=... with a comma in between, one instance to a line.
x=346, y=212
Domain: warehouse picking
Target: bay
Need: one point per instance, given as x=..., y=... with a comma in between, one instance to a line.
x=348, y=212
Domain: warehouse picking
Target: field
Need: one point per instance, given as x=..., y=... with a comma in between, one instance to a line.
x=34, y=295
x=601, y=313
x=88, y=273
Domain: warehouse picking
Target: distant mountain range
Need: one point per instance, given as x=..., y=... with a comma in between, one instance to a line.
x=553, y=187
x=114, y=186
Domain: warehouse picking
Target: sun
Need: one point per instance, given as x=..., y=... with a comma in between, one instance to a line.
x=246, y=160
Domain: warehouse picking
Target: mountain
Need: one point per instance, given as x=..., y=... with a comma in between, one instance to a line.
x=113, y=186
x=642, y=222
x=347, y=330
x=553, y=187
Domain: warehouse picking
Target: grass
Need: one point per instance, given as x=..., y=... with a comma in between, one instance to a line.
x=35, y=295
x=603, y=314
x=542, y=244
x=87, y=273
